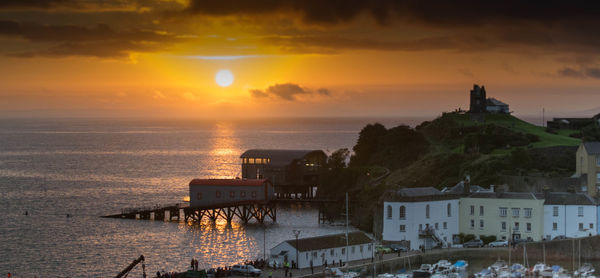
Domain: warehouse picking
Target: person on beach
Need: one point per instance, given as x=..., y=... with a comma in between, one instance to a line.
x=195, y=265
x=192, y=263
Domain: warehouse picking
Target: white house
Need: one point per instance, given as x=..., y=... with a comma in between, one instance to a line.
x=569, y=214
x=420, y=216
x=321, y=249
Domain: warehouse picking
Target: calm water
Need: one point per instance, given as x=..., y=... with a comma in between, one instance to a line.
x=89, y=168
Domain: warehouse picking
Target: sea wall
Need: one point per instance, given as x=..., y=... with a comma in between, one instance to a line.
x=567, y=253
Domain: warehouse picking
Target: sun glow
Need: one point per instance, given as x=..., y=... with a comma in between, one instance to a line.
x=224, y=78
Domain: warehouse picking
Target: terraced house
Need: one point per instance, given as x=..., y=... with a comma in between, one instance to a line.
x=569, y=214
x=506, y=215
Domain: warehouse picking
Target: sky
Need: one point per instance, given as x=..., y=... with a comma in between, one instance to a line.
x=305, y=58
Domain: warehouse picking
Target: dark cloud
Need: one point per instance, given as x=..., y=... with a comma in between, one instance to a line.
x=39, y=4
x=71, y=40
x=433, y=11
x=585, y=72
x=286, y=91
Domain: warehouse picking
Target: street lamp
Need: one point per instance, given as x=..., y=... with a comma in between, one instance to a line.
x=296, y=233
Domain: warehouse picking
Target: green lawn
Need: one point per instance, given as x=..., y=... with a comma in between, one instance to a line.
x=516, y=124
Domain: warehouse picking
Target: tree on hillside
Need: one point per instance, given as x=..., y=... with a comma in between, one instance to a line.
x=368, y=139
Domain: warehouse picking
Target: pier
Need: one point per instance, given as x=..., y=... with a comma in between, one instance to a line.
x=245, y=211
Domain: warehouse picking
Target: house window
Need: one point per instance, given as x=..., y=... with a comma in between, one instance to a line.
x=516, y=228
x=331, y=252
x=218, y=194
x=402, y=228
x=598, y=160
x=503, y=226
x=369, y=248
x=436, y=225
x=591, y=226
x=554, y=226
x=199, y=196
x=503, y=212
x=402, y=212
x=528, y=227
x=528, y=213
x=472, y=210
x=427, y=211
x=254, y=194
x=389, y=212
x=344, y=251
x=231, y=194
x=445, y=226
x=515, y=212
x=555, y=211
x=472, y=223
x=480, y=210
x=481, y=224
x=581, y=226
x=597, y=177
x=352, y=250
x=361, y=248
x=420, y=227
x=580, y=211
x=307, y=256
x=243, y=194
x=449, y=210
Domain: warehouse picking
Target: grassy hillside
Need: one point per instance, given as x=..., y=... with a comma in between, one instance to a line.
x=513, y=123
x=442, y=152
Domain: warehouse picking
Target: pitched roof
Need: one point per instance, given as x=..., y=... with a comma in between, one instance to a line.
x=459, y=188
x=329, y=241
x=505, y=195
x=418, y=192
x=592, y=147
x=279, y=157
x=566, y=198
x=230, y=182
x=493, y=101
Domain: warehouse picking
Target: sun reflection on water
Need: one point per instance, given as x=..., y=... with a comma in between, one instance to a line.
x=224, y=152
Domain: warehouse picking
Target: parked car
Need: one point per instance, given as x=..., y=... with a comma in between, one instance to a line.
x=383, y=249
x=473, y=243
x=246, y=270
x=560, y=237
x=498, y=243
x=398, y=248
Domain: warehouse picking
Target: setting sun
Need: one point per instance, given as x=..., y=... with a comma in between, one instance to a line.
x=224, y=78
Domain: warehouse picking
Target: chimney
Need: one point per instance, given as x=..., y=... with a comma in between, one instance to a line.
x=546, y=190
x=467, y=185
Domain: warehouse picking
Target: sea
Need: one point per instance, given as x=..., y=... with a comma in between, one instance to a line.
x=58, y=176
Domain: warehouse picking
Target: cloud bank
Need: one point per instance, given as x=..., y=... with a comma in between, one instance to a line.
x=287, y=91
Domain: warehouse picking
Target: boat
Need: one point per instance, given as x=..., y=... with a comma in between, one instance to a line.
x=541, y=268
x=484, y=273
x=460, y=266
x=518, y=271
x=424, y=271
x=585, y=270
x=499, y=266
x=442, y=267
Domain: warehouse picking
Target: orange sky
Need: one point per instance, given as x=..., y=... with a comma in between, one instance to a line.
x=158, y=58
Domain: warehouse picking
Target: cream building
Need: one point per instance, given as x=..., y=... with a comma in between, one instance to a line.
x=506, y=215
x=588, y=165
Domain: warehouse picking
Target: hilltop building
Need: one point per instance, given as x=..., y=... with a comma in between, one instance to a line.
x=573, y=123
x=420, y=216
x=321, y=249
x=291, y=171
x=569, y=214
x=588, y=166
x=481, y=104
